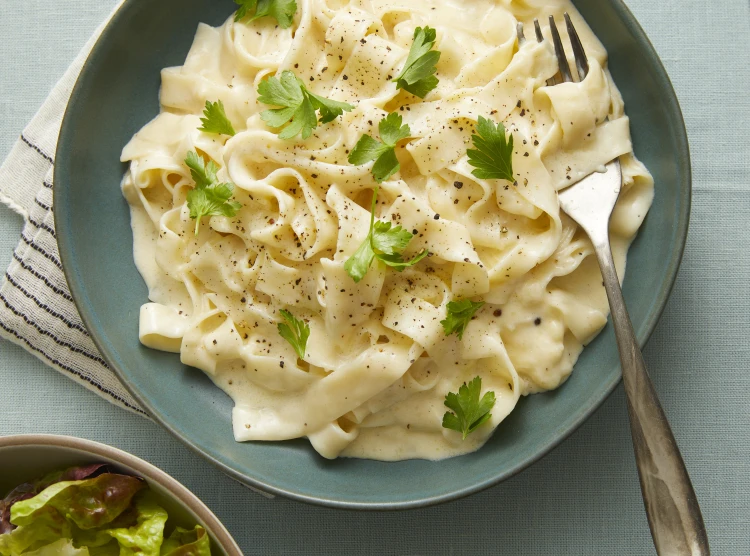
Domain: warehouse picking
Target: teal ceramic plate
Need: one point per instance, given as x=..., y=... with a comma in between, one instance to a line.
x=117, y=93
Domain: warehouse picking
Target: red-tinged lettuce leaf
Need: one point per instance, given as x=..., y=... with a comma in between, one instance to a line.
x=183, y=542
x=21, y=492
x=89, y=503
x=29, y=490
x=71, y=474
x=84, y=472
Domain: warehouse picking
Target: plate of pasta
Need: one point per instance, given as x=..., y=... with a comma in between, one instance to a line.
x=320, y=240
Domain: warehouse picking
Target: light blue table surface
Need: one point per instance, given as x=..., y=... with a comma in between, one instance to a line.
x=583, y=498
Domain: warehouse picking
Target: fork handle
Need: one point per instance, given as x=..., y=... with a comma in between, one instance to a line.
x=671, y=505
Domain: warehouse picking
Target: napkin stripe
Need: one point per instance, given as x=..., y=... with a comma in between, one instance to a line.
x=45, y=207
x=41, y=251
x=72, y=371
x=32, y=322
x=37, y=149
x=49, y=284
x=49, y=334
x=45, y=307
x=42, y=226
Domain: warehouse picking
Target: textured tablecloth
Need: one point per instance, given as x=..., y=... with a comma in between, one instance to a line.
x=583, y=498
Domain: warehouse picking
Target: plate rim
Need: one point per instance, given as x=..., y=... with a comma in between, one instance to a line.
x=77, y=291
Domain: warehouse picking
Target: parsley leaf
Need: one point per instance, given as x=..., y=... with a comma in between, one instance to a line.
x=298, y=106
x=383, y=153
x=358, y=264
x=281, y=10
x=385, y=243
x=295, y=331
x=208, y=197
x=389, y=240
x=329, y=109
x=391, y=130
x=212, y=201
x=469, y=412
x=203, y=175
x=459, y=315
x=493, y=156
x=418, y=77
x=215, y=119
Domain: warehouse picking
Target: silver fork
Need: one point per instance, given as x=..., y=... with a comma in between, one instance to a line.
x=672, y=508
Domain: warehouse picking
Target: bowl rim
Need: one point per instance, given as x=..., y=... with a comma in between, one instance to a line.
x=683, y=163
x=145, y=469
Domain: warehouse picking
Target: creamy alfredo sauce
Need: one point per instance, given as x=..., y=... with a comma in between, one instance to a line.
x=378, y=363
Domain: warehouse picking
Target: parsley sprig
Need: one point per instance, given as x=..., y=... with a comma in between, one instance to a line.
x=493, y=155
x=294, y=331
x=208, y=197
x=383, y=242
x=215, y=119
x=281, y=10
x=298, y=106
x=418, y=75
x=469, y=411
x=459, y=315
x=383, y=152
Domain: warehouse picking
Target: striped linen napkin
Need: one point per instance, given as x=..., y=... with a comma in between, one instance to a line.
x=36, y=309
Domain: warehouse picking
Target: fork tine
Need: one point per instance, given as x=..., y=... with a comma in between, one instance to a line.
x=562, y=60
x=582, y=62
x=539, y=36
x=519, y=32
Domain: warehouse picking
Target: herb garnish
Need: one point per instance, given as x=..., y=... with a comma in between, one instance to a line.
x=208, y=197
x=383, y=152
x=493, y=156
x=418, y=77
x=215, y=120
x=295, y=331
x=281, y=10
x=299, y=106
x=384, y=243
x=459, y=315
x=469, y=411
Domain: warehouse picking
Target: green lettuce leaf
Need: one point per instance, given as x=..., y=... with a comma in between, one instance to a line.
x=146, y=536
x=62, y=547
x=183, y=542
x=47, y=527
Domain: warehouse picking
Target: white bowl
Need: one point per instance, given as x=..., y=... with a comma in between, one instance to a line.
x=27, y=457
